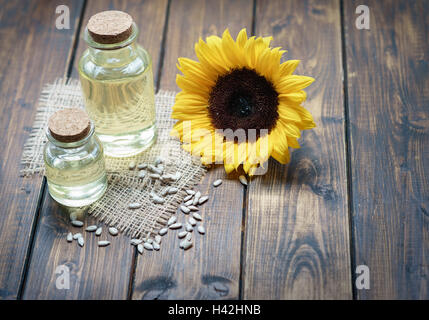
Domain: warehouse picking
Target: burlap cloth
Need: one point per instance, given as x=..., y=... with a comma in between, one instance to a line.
x=124, y=185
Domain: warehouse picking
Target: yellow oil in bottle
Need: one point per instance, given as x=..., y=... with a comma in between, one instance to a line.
x=123, y=111
x=77, y=184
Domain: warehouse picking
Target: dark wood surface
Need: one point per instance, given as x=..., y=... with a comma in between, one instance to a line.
x=356, y=193
x=32, y=53
x=388, y=90
x=297, y=240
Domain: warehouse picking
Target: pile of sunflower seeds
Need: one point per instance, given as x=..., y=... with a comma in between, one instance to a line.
x=189, y=208
x=155, y=172
x=91, y=229
x=193, y=220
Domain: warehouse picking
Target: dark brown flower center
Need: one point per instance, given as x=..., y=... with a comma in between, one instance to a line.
x=243, y=99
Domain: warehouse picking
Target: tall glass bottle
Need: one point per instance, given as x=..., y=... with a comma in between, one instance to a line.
x=117, y=84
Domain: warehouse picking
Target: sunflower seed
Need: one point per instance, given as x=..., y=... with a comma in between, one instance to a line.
x=197, y=216
x=182, y=234
x=185, y=210
x=160, y=168
x=142, y=174
x=155, y=170
x=188, y=197
x=142, y=166
x=91, y=228
x=172, y=190
x=113, y=231
x=217, y=183
x=158, y=161
x=81, y=241
x=77, y=223
x=147, y=246
x=193, y=208
x=77, y=236
x=69, y=237
x=150, y=241
x=196, y=198
x=157, y=199
x=98, y=231
x=156, y=246
x=136, y=242
x=243, y=180
x=186, y=245
x=140, y=248
x=203, y=199
x=189, y=236
x=103, y=243
x=201, y=229
x=164, y=192
x=172, y=220
x=134, y=205
x=163, y=231
x=192, y=221
x=182, y=243
x=155, y=175
x=158, y=239
x=167, y=176
x=190, y=192
x=176, y=226
x=132, y=165
x=189, y=202
x=177, y=176
x=189, y=227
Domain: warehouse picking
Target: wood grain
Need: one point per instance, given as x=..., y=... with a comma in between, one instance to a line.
x=95, y=273
x=210, y=269
x=32, y=52
x=297, y=240
x=388, y=81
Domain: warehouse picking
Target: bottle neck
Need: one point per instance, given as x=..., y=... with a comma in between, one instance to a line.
x=113, y=57
x=115, y=54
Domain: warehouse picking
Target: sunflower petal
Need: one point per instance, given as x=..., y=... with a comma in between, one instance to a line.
x=293, y=83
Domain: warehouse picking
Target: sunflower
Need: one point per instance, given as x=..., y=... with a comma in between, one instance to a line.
x=239, y=104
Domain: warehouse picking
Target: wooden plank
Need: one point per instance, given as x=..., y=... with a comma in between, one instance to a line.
x=210, y=269
x=94, y=273
x=388, y=81
x=32, y=52
x=297, y=240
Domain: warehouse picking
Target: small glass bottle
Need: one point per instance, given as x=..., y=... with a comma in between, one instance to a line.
x=117, y=83
x=74, y=160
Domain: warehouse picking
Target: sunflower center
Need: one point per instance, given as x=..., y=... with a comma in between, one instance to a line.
x=243, y=99
x=240, y=106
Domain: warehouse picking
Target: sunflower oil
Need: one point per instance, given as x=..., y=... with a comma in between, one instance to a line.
x=123, y=111
x=117, y=85
x=74, y=162
x=76, y=183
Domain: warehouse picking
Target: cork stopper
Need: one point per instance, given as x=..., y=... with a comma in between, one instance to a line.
x=69, y=125
x=109, y=27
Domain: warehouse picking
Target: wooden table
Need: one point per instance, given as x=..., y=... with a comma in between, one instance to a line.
x=356, y=193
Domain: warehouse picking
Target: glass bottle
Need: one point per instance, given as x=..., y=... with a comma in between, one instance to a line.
x=117, y=84
x=74, y=161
